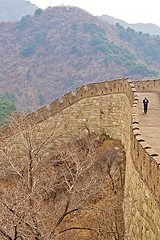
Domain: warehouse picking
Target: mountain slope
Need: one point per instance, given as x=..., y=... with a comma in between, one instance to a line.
x=150, y=28
x=14, y=10
x=61, y=48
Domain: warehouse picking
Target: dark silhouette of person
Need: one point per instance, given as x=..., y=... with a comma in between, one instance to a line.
x=145, y=104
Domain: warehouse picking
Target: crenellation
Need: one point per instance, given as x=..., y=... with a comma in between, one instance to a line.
x=135, y=126
x=32, y=118
x=151, y=152
x=145, y=145
x=148, y=85
x=136, y=132
x=43, y=113
x=55, y=106
x=67, y=100
x=134, y=90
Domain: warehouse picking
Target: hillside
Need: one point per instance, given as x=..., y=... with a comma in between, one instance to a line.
x=61, y=48
x=150, y=28
x=14, y=10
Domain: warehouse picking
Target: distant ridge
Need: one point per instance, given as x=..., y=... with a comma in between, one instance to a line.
x=150, y=28
x=59, y=49
x=14, y=10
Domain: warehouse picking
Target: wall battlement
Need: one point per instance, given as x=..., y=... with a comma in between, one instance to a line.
x=117, y=115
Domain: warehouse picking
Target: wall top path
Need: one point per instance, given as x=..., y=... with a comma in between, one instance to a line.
x=149, y=123
x=145, y=158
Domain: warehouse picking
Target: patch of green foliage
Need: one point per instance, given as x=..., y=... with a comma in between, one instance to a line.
x=24, y=23
x=7, y=106
x=29, y=49
x=141, y=69
x=93, y=28
x=112, y=51
x=75, y=50
x=38, y=12
x=149, y=46
x=39, y=38
x=73, y=81
x=41, y=99
x=117, y=53
x=74, y=26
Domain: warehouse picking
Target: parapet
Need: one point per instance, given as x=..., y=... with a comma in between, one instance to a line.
x=147, y=85
x=146, y=160
x=91, y=90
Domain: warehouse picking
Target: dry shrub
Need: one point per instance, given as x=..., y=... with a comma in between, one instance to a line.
x=61, y=189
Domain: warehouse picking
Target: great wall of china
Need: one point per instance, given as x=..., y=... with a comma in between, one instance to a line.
x=112, y=107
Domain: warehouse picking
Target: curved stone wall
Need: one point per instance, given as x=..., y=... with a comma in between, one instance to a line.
x=112, y=107
x=142, y=199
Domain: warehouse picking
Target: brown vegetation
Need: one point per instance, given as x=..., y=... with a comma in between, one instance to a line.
x=58, y=189
x=56, y=50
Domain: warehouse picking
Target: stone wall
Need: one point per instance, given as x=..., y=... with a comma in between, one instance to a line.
x=142, y=200
x=148, y=85
x=111, y=107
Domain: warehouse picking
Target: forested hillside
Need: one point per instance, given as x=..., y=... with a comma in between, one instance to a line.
x=150, y=28
x=61, y=48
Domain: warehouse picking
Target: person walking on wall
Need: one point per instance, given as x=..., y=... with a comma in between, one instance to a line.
x=145, y=104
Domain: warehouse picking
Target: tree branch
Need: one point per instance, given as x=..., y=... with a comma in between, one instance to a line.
x=2, y=232
x=63, y=215
x=13, y=212
x=77, y=228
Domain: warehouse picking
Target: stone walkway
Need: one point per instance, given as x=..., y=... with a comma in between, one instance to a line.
x=150, y=123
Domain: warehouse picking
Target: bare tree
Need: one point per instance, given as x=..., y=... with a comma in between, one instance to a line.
x=60, y=188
